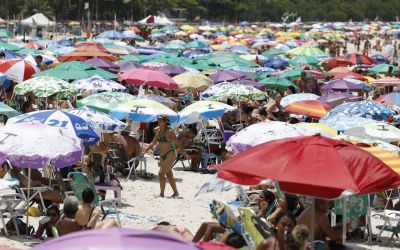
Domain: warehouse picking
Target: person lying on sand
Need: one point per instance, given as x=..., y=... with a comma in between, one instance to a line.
x=177, y=231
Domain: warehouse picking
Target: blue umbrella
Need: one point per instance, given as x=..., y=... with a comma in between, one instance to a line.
x=56, y=118
x=111, y=34
x=367, y=109
x=65, y=42
x=276, y=62
x=7, y=110
x=11, y=54
x=380, y=59
x=203, y=110
x=342, y=122
x=195, y=53
x=240, y=48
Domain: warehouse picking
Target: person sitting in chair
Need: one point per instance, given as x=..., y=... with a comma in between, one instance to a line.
x=186, y=140
x=67, y=224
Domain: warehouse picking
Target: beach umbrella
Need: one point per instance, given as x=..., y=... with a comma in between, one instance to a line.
x=101, y=122
x=240, y=92
x=20, y=145
x=134, y=58
x=226, y=76
x=47, y=59
x=293, y=73
x=5, y=33
x=248, y=82
x=260, y=133
x=278, y=83
x=239, y=49
x=367, y=109
x=71, y=123
x=83, y=53
x=118, y=239
x=216, y=89
x=172, y=70
x=305, y=51
x=336, y=98
x=392, y=98
x=273, y=52
x=18, y=70
x=358, y=59
x=148, y=77
x=215, y=185
x=8, y=46
x=158, y=98
x=203, y=110
x=386, y=81
x=195, y=53
x=75, y=71
x=351, y=75
x=310, y=129
x=276, y=62
x=105, y=101
x=29, y=51
x=308, y=60
x=143, y=110
x=383, y=132
x=189, y=80
x=341, y=84
x=196, y=45
x=45, y=86
x=380, y=58
x=111, y=34
x=311, y=108
x=297, y=97
x=342, y=122
x=126, y=66
x=97, y=84
x=296, y=167
x=336, y=62
x=61, y=50
x=7, y=110
x=382, y=68
x=338, y=71
x=102, y=64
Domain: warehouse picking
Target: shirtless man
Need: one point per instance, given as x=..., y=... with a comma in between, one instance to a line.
x=68, y=224
x=322, y=225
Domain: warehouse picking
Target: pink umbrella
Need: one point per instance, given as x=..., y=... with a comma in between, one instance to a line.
x=18, y=70
x=148, y=77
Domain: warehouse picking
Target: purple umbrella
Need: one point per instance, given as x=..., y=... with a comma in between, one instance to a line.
x=248, y=82
x=117, y=239
x=341, y=84
x=226, y=76
x=161, y=99
x=126, y=66
x=172, y=70
x=101, y=63
x=336, y=98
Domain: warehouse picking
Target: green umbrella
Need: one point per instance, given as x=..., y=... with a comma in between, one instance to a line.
x=294, y=73
x=305, y=51
x=7, y=110
x=278, y=83
x=133, y=58
x=382, y=68
x=105, y=101
x=75, y=70
x=28, y=51
x=273, y=52
x=8, y=46
x=5, y=33
x=240, y=92
x=310, y=60
x=45, y=86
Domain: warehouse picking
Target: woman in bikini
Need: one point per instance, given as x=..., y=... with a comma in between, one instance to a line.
x=167, y=142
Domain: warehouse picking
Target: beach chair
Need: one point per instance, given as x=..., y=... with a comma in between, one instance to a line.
x=79, y=182
x=391, y=224
x=246, y=216
x=244, y=197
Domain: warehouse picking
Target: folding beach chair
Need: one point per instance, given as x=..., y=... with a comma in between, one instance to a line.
x=246, y=217
x=79, y=182
x=244, y=198
x=391, y=224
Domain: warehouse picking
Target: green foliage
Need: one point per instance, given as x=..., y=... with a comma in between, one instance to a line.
x=218, y=10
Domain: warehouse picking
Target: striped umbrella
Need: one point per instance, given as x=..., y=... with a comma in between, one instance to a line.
x=311, y=108
x=305, y=51
x=316, y=128
x=392, y=98
x=18, y=70
x=97, y=84
x=356, y=58
x=203, y=110
x=148, y=77
x=143, y=110
x=45, y=86
x=105, y=101
x=342, y=122
x=287, y=100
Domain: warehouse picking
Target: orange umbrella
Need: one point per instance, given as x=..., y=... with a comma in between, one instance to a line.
x=312, y=108
x=84, y=53
x=338, y=70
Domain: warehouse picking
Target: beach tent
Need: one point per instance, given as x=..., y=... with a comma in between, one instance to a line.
x=39, y=20
x=159, y=20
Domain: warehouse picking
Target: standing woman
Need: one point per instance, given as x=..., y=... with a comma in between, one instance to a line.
x=168, y=145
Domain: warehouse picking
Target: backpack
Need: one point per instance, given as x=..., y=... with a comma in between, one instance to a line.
x=22, y=228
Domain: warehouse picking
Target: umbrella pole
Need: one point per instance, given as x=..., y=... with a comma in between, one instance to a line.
x=312, y=222
x=369, y=221
x=344, y=222
x=27, y=205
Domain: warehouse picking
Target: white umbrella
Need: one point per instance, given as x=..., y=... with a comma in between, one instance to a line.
x=216, y=185
x=383, y=132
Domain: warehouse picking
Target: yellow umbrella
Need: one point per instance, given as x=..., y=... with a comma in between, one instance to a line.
x=369, y=79
x=181, y=33
x=187, y=28
x=190, y=80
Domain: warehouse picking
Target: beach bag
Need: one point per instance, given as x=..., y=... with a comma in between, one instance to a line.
x=21, y=227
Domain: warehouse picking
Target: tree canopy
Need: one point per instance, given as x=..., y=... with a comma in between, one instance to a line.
x=214, y=10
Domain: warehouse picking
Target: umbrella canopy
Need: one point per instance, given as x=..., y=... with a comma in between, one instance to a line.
x=382, y=69
x=359, y=59
x=273, y=52
x=338, y=71
x=240, y=92
x=190, y=80
x=311, y=108
x=7, y=110
x=341, y=84
x=127, y=65
x=278, y=83
x=294, y=164
x=143, y=110
x=392, y=98
x=105, y=101
x=260, y=133
x=172, y=70
x=117, y=239
x=33, y=145
x=342, y=122
x=196, y=45
x=203, y=110
x=387, y=81
x=304, y=60
x=101, y=122
x=336, y=98
x=287, y=100
x=60, y=119
x=18, y=70
x=45, y=86
x=102, y=64
x=97, y=84
x=276, y=62
x=226, y=76
x=111, y=34
x=336, y=62
x=248, y=82
x=368, y=109
x=148, y=77
x=75, y=71
x=380, y=58
x=216, y=89
x=382, y=132
x=305, y=51
x=351, y=75
x=161, y=99
x=83, y=53
x=315, y=129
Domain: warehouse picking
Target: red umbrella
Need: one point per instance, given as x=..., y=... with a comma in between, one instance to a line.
x=148, y=77
x=336, y=62
x=311, y=108
x=356, y=58
x=83, y=53
x=18, y=70
x=312, y=165
x=352, y=75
